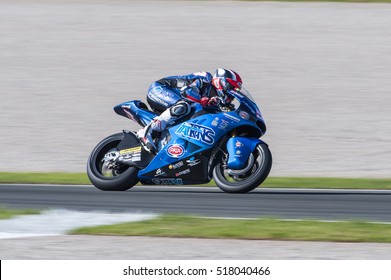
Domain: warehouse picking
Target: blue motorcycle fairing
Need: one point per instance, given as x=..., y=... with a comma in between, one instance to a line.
x=196, y=136
x=239, y=149
x=135, y=110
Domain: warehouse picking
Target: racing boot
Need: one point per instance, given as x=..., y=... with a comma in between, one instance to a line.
x=145, y=136
x=148, y=134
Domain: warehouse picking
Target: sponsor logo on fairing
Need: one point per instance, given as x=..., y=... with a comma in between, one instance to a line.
x=244, y=115
x=175, y=150
x=130, y=154
x=197, y=132
x=167, y=181
x=183, y=172
x=130, y=150
x=192, y=161
x=228, y=116
x=238, y=144
x=215, y=121
x=176, y=165
x=223, y=124
x=159, y=172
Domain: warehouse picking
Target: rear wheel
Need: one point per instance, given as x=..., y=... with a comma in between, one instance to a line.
x=102, y=170
x=243, y=181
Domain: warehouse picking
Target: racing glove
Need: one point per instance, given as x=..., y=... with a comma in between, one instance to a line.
x=213, y=101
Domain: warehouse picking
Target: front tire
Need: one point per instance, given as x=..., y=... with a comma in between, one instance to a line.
x=248, y=181
x=118, y=178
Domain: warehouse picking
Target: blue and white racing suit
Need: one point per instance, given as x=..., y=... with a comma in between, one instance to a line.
x=173, y=96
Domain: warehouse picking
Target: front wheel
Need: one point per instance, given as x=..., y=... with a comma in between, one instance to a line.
x=232, y=181
x=107, y=175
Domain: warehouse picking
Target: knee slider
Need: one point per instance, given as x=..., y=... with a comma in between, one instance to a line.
x=180, y=109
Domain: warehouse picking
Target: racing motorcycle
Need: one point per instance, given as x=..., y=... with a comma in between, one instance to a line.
x=220, y=143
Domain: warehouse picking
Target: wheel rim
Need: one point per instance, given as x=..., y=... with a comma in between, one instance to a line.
x=102, y=168
x=259, y=162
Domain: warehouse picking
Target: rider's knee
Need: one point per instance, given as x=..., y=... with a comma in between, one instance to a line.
x=180, y=109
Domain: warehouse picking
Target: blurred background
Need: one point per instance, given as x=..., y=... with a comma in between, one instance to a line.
x=321, y=73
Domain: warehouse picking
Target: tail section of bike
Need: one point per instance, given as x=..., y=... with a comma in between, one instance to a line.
x=135, y=110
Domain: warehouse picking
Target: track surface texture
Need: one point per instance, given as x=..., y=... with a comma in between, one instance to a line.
x=286, y=204
x=319, y=71
x=289, y=204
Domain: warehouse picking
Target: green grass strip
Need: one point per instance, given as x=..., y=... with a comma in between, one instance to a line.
x=44, y=178
x=9, y=213
x=327, y=183
x=259, y=229
x=271, y=182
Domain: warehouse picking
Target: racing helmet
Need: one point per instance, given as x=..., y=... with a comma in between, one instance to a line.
x=225, y=81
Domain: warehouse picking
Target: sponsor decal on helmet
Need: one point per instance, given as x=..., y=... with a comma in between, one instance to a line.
x=196, y=132
x=244, y=115
x=175, y=150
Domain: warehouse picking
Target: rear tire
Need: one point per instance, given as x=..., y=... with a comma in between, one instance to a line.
x=249, y=181
x=121, y=178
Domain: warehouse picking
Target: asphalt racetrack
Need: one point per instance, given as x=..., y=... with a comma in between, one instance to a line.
x=146, y=200
x=289, y=204
x=212, y=202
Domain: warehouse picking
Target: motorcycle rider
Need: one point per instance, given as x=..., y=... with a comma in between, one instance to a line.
x=174, y=95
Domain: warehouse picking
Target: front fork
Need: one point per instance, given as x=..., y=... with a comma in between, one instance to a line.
x=240, y=151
